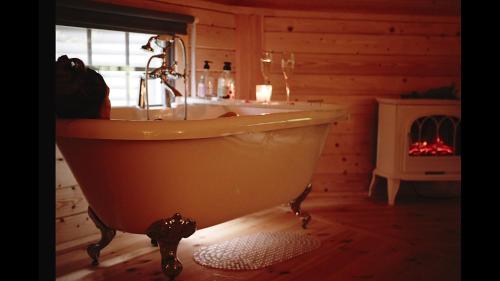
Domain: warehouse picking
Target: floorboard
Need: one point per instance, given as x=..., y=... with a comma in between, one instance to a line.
x=362, y=239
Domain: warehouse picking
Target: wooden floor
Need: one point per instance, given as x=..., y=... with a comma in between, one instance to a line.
x=362, y=239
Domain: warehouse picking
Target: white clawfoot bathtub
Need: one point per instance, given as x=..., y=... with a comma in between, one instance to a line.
x=134, y=172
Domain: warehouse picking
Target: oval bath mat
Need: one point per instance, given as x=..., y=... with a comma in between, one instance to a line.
x=255, y=251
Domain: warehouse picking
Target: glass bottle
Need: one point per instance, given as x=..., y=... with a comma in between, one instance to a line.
x=287, y=67
x=265, y=66
x=225, y=83
x=206, y=83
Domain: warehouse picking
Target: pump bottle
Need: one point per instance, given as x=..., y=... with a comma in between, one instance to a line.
x=206, y=83
x=225, y=83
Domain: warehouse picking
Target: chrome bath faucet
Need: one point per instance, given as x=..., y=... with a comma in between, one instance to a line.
x=165, y=72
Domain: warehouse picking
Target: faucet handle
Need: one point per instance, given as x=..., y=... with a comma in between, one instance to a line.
x=174, y=75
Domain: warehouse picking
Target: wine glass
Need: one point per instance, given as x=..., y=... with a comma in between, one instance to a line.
x=287, y=66
x=265, y=66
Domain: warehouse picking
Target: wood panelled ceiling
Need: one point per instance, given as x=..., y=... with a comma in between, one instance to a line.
x=415, y=7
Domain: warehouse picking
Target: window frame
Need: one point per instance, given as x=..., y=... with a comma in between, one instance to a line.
x=90, y=14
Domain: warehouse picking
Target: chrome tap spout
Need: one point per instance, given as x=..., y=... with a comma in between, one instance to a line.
x=162, y=55
x=171, y=92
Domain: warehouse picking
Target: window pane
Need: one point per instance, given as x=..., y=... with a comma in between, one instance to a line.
x=116, y=81
x=108, y=47
x=71, y=41
x=134, y=83
x=155, y=91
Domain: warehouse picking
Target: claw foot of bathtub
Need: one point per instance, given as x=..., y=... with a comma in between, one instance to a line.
x=107, y=234
x=295, y=206
x=168, y=233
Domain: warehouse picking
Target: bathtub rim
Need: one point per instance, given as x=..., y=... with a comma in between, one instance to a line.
x=192, y=129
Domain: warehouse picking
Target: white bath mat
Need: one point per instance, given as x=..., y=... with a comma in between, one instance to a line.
x=255, y=251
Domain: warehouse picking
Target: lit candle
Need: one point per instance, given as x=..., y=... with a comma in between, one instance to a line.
x=263, y=93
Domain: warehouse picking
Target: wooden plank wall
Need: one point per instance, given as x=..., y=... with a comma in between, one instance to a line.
x=343, y=58
x=351, y=59
x=72, y=221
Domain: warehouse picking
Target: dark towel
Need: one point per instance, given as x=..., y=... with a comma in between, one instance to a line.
x=448, y=93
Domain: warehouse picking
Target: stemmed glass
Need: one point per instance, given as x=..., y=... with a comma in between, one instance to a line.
x=287, y=66
x=265, y=66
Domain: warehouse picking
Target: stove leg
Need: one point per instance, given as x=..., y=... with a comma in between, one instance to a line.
x=295, y=205
x=373, y=182
x=107, y=234
x=168, y=233
x=392, y=189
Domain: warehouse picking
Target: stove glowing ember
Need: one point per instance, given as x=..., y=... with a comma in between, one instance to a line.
x=438, y=148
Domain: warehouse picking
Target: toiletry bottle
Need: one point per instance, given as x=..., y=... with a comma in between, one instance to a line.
x=225, y=84
x=206, y=83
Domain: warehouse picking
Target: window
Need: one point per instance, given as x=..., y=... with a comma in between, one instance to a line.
x=108, y=38
x=116, y=55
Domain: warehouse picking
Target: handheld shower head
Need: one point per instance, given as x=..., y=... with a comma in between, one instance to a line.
x=148, y=47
